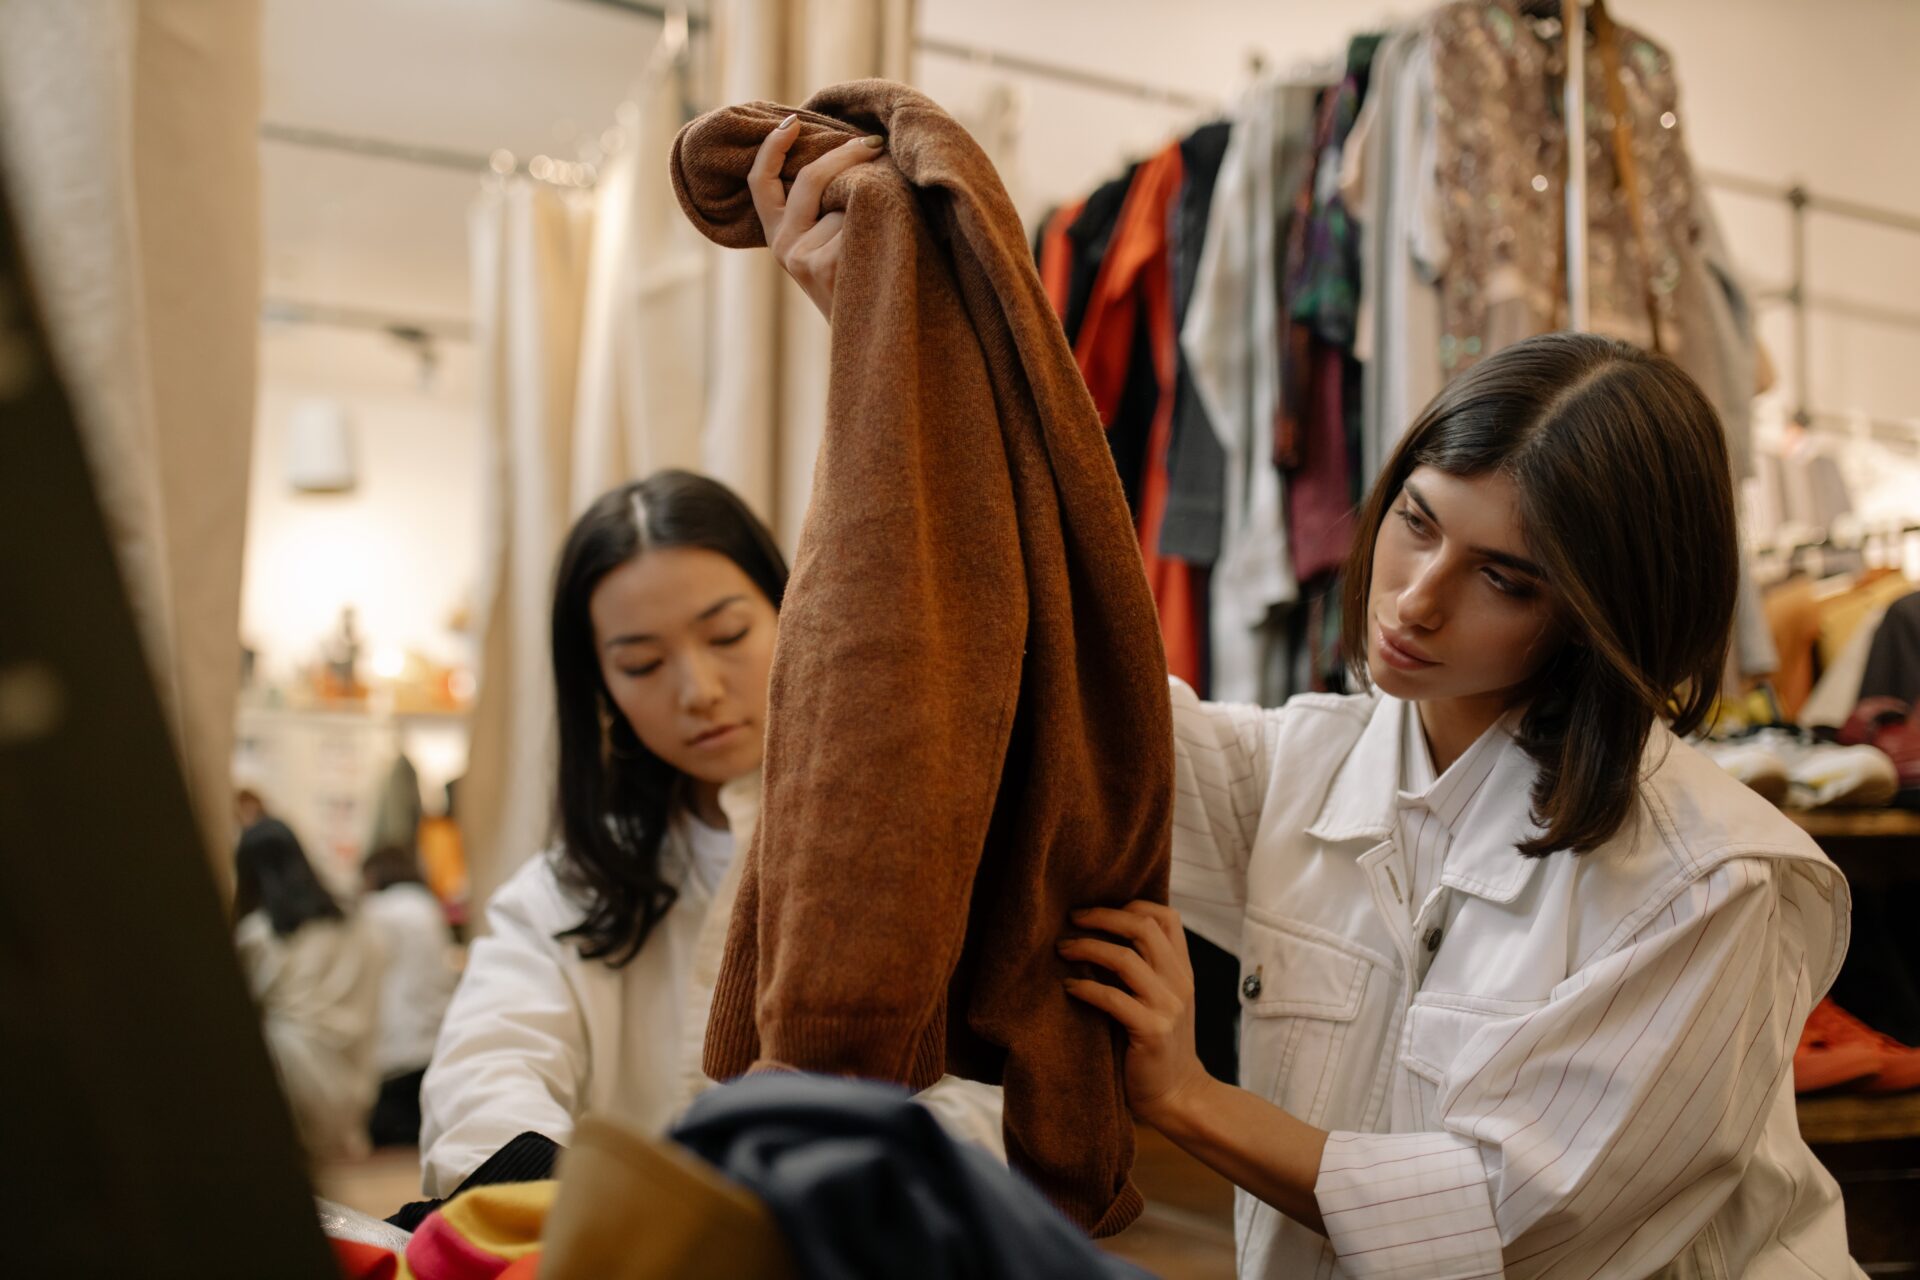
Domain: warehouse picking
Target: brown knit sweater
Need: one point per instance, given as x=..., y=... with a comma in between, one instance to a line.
x=968, y=732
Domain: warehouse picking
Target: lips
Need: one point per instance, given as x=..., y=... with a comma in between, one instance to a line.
x=1402, y=654
x=718, y=737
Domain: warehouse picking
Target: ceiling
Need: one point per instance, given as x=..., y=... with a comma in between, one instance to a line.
x=470, y=76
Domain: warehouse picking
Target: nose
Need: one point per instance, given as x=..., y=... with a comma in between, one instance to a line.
x=701, y=687
x=1421, y=603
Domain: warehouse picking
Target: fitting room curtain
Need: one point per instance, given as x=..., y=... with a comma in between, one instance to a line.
x=614, y=340
x=128, y=130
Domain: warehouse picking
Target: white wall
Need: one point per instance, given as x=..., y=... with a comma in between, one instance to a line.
x=404, y=547
x=1825, y=94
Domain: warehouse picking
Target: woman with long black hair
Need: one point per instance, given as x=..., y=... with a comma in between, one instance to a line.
x=590, y=990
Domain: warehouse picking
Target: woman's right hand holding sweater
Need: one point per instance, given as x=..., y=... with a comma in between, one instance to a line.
x=806, y=245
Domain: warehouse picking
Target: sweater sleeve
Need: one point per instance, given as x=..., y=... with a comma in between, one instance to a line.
x=512, y=1052
x=1220, y=765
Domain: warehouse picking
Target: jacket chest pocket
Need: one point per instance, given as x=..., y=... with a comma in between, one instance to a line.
x=1439, y=1028
x=1302, y=993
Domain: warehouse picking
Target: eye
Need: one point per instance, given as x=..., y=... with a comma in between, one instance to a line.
x=1509, y=586
x=735, y=638
x=644, y=669
x=1413, y=520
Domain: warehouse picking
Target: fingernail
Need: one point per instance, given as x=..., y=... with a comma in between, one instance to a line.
x=787, y=123
x=876, y=142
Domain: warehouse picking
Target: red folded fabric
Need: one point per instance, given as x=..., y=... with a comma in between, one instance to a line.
x=364, y=1261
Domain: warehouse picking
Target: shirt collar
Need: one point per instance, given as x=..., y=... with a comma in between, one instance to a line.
x=1449, y=796
x=1487, y=820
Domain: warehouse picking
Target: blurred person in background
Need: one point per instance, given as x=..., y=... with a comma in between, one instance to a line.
x=315, y=973
x=421, y=970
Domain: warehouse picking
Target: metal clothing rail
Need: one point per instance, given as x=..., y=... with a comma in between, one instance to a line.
x=428, y=157
x=1061, y=73
x=665, y=13
x=413, y=329
x=1574, y=105
x=1801, y=204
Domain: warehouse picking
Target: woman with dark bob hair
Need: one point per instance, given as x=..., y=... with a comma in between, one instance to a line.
x=591, y=988
x=1522, y=971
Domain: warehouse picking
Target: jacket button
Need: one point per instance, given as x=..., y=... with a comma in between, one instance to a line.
x=1433, y=938
x=1250, y=985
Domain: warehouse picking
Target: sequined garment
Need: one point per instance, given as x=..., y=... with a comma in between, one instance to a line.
x=1502, y=138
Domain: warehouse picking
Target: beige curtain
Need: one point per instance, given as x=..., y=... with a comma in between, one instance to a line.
x=128, y=136
x=768, y=376
x=530, y=253
x=614, y=341
x=591, y=328
x=643, y=359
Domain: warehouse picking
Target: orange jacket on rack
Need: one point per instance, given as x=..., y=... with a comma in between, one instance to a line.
x=1134, y=274
x=968, y=732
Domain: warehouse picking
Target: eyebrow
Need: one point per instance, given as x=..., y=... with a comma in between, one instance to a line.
x=1508, y=559
x=641, y=637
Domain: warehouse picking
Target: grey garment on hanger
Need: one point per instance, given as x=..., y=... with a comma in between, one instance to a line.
x=1388, y=183
x=398, y=810
x=1753, y=647
x=1816, y=493
x=1196, y=462
x=1730, y=329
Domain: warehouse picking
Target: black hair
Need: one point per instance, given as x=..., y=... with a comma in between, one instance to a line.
x=1626, y=499
x=613, y=797
x=389, y=865
x=272, y=874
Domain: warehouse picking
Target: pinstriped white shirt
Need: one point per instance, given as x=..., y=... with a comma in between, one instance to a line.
x=1431, y=807
x=1589, y=1073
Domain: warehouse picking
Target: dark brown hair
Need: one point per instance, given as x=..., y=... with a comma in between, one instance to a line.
x=1626, y=500
x=613, y=797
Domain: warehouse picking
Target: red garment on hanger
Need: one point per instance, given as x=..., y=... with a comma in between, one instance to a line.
x=1319, y=489
x=1135, y=273
x=1056, y=255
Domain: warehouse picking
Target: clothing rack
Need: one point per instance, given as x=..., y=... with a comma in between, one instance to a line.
x=420, y=331
x=1303, y=72
x=1801, y=203
x=1574, y=105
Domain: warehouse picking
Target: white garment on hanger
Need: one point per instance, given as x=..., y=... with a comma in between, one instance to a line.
x=1232, y=342
x=1391, y=186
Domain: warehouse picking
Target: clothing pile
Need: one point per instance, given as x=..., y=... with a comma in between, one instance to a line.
x=1838, y=1051
x=1835, y=728
x=772, y=1178
x=1262, y=308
